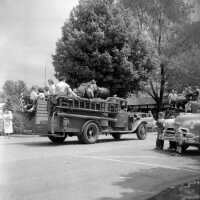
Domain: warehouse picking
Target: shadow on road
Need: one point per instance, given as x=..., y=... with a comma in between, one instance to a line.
x=70, y=142
x=145, y=184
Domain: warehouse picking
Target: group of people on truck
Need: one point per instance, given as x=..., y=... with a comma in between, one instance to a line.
x=59, y=89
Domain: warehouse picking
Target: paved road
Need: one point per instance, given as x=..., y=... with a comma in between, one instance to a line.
x=33, y=168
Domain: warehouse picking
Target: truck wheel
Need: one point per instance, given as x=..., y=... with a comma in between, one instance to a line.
x=57, y=140
x=141, y=132
x=116, y=136
x=90, y=133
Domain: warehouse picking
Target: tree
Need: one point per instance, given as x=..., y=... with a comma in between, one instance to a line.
x=159, y=21
x=13, y=90
x=96, y=44
x=14, y=87
x=185, y=67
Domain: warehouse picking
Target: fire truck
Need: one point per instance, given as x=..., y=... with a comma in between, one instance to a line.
x=59, y=117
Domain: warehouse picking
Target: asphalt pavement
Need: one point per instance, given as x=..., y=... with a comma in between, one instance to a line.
x=31, y=167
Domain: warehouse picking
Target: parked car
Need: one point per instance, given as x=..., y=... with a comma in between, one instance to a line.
x=148, y=117
x=181, y=132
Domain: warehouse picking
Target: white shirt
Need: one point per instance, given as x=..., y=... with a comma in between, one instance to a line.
x=172, y=97
x=41, y=95
x=52, y=89
x=33, y=95
x=7, y=121
x=63, y=88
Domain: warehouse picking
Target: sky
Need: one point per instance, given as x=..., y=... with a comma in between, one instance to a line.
x=29, y=30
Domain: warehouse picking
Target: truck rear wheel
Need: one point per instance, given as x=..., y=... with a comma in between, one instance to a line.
x=57, y=140
x=141, y=132
x=90, y=133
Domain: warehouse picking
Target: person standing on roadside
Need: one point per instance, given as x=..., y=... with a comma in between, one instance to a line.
x=7, y=122
x=172, y=98
x=160, y=127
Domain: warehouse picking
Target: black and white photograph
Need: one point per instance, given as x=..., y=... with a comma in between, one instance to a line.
x=99, y=99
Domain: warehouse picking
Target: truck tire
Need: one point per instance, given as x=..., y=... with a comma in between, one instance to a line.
x=116, y=136
x=90, y=133
x=57, y=140
x=141, y=132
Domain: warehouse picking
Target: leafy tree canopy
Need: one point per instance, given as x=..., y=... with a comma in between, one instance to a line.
x=96, y=44
x=159, y=21
x=185, y=70
x=184, y=67
x=13, y=90
x=14, y=87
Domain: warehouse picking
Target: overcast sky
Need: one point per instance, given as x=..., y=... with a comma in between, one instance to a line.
x=29, y=30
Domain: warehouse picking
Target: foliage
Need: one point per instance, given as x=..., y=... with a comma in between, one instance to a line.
x=13, y=90
x=8, y=105
x=96, y=44
x=14, y=87
x=186, y=71
x=160, y=20
x=2, y=97
x=184, y=67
